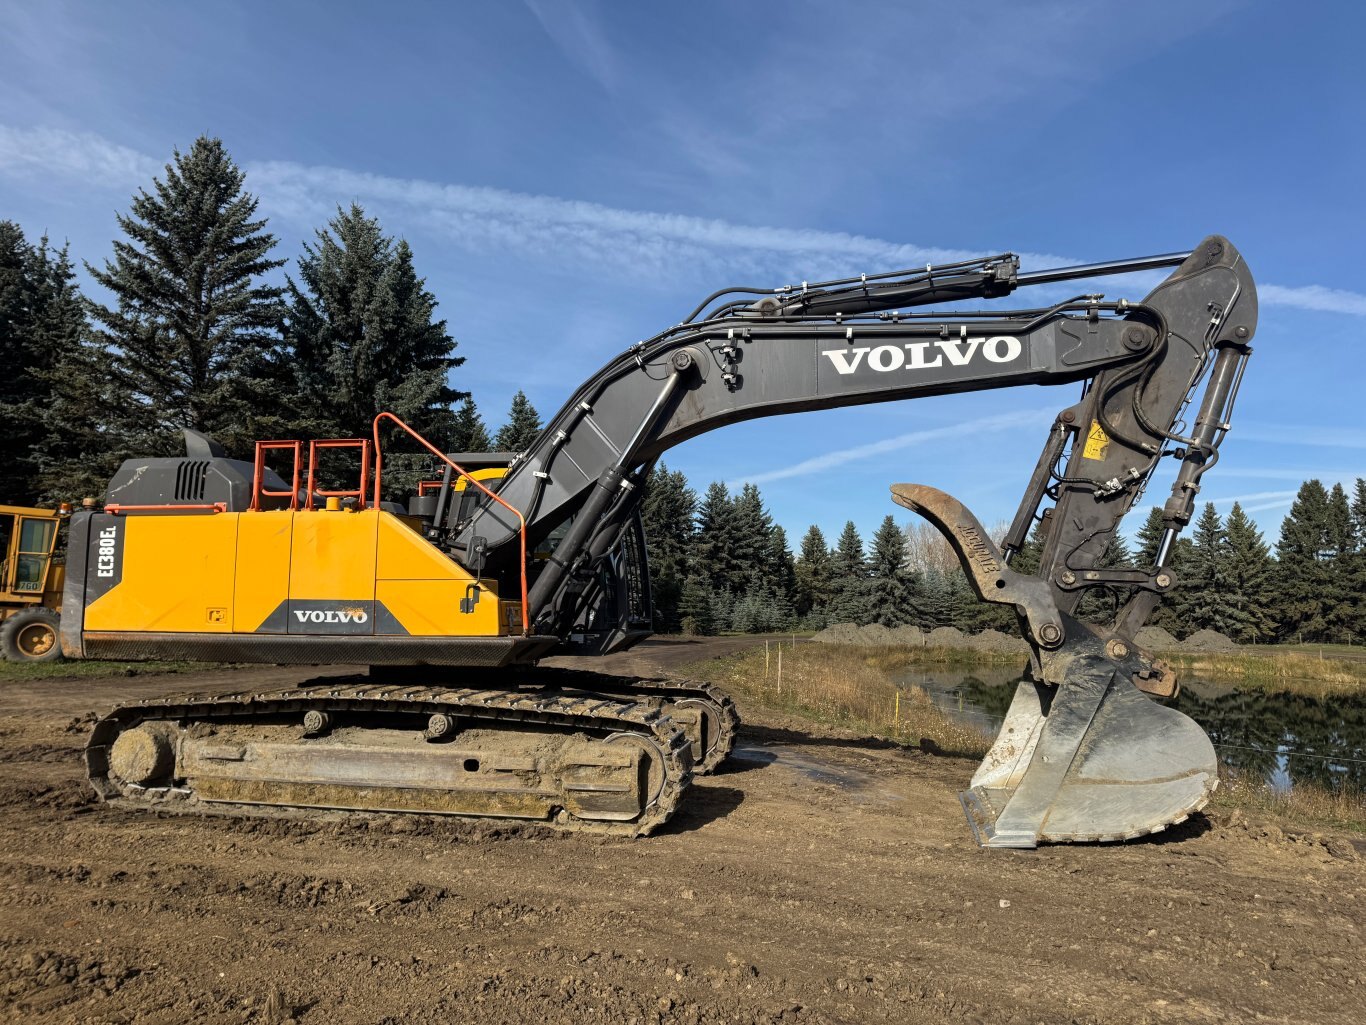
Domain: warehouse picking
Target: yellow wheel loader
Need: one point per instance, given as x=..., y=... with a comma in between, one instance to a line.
x=452, y=598
x=31, y=580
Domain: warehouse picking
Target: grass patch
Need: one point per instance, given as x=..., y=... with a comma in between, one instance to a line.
x=1289, y=671
x=1279, y=670
x=1303, y=806
x=845, y=686
x=95, y=669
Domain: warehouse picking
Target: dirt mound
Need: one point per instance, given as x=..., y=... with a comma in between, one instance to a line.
x=913, y=637
x=839, y=633
x=1154, y=638
x=946, y=637
x=994, y=640
x=1208, y=640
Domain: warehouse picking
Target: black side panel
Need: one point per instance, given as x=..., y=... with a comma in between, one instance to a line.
x=285, y=649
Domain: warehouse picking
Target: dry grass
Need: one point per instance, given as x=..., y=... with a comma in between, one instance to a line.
x=846, y=686
x=1302, y=806
x=1292, y=671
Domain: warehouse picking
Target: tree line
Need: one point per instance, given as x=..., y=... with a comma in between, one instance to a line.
x=720, y=563
x=197, y=333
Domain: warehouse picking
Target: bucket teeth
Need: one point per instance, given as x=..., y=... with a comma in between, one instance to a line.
x=1090, y=760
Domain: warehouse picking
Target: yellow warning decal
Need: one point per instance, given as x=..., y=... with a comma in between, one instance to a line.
x=1097, y=442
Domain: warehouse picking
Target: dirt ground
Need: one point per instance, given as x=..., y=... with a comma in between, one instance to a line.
x=823, y=878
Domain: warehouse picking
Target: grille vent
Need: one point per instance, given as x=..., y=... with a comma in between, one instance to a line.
x=190, y=476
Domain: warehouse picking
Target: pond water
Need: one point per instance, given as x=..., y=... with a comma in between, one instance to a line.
x=1282, y=738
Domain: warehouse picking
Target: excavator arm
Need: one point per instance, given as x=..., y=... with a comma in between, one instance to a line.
x=1084, y=754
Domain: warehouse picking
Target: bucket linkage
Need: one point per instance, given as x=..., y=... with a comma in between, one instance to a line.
x=1085, y=753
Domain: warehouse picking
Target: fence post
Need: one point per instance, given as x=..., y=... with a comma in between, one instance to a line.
x=765, y=658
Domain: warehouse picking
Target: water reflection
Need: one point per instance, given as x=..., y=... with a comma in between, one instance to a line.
x=1280, y=738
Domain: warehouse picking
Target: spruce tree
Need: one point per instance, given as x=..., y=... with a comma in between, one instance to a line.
x=850, y=603
x=192, y=326
x=468, y=434
x=1342, y=610
x=781, y=572
x=18, y=356
x=751, y=530
x=814, y=578
x=361, y=337
x=696, y=607
x=712, y=548
x=889, y=585
x=522, y=428
x=1247, y=580
x=667, y=511
x=1207, y=579
x=1305, y=571
x=1356, y=575
x=77, y=404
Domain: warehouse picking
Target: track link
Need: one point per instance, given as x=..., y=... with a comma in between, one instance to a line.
x=724, y=716
x=600, y=718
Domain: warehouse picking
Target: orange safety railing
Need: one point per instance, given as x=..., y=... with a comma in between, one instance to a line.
x=358, y=493
x=258, y=475
x=423, y=486
x=521, y=520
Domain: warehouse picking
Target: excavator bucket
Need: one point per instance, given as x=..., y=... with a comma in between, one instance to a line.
x=1090, y=759
x=1083, y=754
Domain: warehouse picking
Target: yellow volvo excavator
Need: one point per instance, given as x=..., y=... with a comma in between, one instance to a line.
x=453, y=598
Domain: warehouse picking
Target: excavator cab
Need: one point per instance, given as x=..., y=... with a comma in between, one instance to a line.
x=30, y=583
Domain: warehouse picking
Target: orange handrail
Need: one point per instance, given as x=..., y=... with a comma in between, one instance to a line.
x=258, y=488
x=521, y=520
x=358, y=492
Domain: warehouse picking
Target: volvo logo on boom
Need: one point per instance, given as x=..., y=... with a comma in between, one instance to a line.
x=958, y=352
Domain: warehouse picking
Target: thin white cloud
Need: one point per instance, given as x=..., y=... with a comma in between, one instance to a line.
x=484, y=219
x=1260, y=496
x=1289, y=473
x=578, y=35
x=91, y=158
x=949, y=432
x=1302, y=434
x=1314, y=297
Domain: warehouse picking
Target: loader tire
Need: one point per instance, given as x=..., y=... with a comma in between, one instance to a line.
x=31, y=636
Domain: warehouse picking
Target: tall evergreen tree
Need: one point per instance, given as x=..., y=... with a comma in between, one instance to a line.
x=814, y=577
x=522, y=428
x=712, y=549
x=782, y=569
x=1207, y=579
x=78, y=445
x=1306, y=578
x=1247, y=580
x=851, y=602
x=667, y=511
x=192, y=325
x=360, y=337
x=751, y=540
x=1356, y=574
x=697, y=607
x=889, y=585
x=469, y=433
x=19, y=356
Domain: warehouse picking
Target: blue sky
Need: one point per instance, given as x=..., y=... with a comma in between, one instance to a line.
x=574, y=177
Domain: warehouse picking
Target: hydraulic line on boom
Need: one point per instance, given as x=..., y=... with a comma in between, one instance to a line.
x=510, y=557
